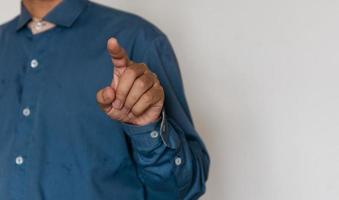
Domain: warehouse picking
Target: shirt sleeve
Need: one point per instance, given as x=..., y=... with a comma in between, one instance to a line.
x=171, y=159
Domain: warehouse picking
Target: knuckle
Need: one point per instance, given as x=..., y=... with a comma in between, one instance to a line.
x=131, y=99
x=118, y=62
x=105, y=109
x=154, y=75
x=127, y=107
x=159, y=92
x=136, y=111
x=141, y=83
x=157, y=87
x=114, y=114
x=143, y=66
x=131, y=72
x=120, y=94
x=150, y=77
x=117, y=117
x=157, y=79
x=161, y=89
x=162, y=92
x=149, y=98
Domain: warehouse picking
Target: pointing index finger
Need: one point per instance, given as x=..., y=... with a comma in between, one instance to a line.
x=118, y=54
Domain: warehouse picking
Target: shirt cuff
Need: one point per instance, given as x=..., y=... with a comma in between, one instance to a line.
x=151, y=136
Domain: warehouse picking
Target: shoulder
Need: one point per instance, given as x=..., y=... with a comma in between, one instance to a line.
x=8, y=27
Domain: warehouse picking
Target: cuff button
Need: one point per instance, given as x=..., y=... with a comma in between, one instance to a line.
x=178, y=161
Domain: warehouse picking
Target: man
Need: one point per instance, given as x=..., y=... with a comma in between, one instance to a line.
x=56, y=143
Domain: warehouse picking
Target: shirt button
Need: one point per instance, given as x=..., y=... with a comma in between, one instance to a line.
x=178, y=161
x=34, y=63
x=26, y=112
x=19, y=160
x=39, y=25
x=154, y=134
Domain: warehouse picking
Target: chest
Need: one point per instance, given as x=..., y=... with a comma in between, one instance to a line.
x=48, y=87
x=53, y=68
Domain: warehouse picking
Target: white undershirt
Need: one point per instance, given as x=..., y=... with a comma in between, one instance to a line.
x=39, y=26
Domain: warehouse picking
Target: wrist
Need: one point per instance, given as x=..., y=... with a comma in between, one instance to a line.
x=144, y=122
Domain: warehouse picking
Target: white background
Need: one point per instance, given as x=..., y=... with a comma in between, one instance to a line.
x=261, y=78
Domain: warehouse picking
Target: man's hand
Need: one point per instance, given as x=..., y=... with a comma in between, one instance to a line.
x=135, y=95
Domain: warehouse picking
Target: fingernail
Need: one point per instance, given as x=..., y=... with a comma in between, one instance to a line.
x=117, y=104
x=125, y=110
x=104, y=95
x=130, y=115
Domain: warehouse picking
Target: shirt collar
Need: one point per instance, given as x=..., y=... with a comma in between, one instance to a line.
x=63, y=14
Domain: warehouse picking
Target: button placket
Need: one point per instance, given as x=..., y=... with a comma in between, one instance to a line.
x=31, y=82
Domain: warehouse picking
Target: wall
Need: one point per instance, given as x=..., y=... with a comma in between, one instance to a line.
x=262, y=81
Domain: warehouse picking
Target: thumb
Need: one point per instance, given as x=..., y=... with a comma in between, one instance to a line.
x=105, y=97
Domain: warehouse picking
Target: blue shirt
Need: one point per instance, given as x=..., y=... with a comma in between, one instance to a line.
x=56, y=143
